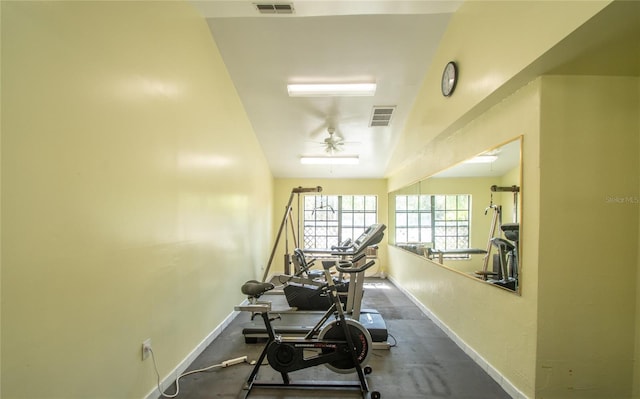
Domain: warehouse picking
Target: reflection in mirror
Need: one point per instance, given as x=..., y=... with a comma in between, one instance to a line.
x=466, y=218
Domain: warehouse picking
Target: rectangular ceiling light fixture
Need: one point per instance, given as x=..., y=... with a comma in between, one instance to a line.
x=482, y=159
x=350, y=160
x=331, y=89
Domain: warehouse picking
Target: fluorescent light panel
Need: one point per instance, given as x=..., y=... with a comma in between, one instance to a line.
x=331, y=89
x=482, y=159
x=354, y=160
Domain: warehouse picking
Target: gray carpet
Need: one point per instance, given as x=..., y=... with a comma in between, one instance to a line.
x=424, y=363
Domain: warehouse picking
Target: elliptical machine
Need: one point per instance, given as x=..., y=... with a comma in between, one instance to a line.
x=343, y=345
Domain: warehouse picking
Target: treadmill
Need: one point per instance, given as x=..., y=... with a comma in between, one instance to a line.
x=290, y=322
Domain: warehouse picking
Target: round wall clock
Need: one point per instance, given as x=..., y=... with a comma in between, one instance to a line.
x=449, y=78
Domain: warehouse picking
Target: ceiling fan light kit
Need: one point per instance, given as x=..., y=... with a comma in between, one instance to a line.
x=315, y=160
x=334, y=143
x=331, y=89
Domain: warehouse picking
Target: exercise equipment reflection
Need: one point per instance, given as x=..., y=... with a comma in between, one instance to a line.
x=505, y=273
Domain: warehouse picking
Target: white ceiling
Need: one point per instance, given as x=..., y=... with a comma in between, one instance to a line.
x=390, y=42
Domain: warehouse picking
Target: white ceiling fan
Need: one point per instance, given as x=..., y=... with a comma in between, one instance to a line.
x=333, y=143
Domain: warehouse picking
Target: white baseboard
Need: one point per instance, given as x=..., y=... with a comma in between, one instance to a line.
x=493, y=373
x=184, y=364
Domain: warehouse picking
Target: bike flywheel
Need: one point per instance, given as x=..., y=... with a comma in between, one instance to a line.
x=361, y=340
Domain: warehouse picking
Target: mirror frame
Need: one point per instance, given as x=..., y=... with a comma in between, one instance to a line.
x=427, y=254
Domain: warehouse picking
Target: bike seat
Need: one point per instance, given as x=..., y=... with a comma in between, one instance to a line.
x=254, y=288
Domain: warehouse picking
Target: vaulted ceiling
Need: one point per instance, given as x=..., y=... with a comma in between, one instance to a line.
x=387, y=42
x=390, y=42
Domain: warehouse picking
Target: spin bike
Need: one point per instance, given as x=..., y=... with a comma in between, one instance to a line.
x=343, y=345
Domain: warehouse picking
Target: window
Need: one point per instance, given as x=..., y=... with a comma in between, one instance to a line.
x=441, y=220
x=331, y=219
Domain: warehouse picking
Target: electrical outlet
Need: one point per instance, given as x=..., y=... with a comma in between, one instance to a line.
x=146, y=348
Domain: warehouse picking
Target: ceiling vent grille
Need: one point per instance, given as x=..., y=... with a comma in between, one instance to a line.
x=381, y=116
x=277, y=8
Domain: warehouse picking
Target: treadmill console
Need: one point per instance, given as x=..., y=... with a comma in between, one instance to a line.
x=371, y=236
x=511, y=231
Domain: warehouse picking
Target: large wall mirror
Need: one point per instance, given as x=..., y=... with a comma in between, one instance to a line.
x=466, y=218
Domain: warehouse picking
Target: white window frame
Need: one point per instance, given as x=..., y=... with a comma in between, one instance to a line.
x=441, y=221
x=330, y=219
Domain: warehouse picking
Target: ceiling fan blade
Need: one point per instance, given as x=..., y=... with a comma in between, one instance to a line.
x=318, y=131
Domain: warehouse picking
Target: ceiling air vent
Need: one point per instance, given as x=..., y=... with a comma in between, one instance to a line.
x=381, y=116
x=275, y=8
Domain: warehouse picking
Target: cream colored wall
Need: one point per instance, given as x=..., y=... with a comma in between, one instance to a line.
x=135, y=197
x=1, y=196
x=492, y=61
x=282, y=192
x=508, y=341
x=588, y=248
x=490, y=106
x=636, y=372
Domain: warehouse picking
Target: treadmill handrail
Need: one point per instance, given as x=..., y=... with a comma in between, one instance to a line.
x=360, y=269
x=358, y=254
